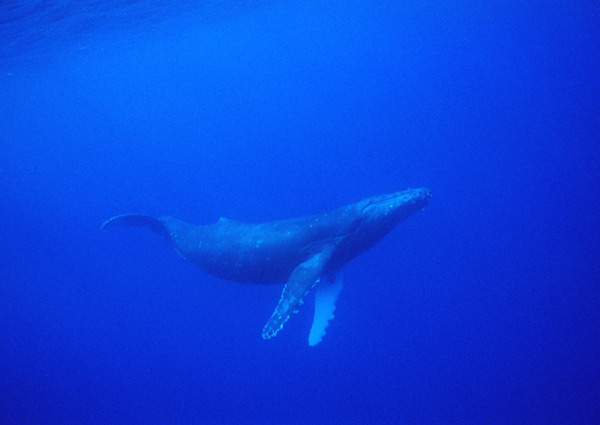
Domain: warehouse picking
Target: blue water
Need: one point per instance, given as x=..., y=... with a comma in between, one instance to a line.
x=482, y=309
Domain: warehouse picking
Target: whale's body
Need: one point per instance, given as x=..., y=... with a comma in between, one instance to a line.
x=298, y=251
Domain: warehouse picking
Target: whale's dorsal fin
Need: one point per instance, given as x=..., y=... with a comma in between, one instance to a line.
x=225, y=220
x=304, y=277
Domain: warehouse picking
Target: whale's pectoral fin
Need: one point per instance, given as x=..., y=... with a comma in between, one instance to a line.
x=304, y=277
x=328, y=289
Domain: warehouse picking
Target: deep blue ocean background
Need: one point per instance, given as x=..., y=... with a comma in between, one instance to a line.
x=482, y=309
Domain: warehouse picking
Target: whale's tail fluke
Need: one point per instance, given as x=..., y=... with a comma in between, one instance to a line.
x=138, y=220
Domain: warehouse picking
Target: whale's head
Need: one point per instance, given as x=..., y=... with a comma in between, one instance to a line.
x=380, y=214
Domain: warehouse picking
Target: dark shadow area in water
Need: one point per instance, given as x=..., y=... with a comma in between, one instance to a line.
x=33, y=31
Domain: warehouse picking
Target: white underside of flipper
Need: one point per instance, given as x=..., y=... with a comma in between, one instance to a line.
x=327, y=292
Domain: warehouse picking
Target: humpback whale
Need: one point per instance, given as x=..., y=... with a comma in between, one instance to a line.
x=302, y=252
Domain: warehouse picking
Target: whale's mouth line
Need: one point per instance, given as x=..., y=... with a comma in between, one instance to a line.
x=386, y=198
x=395, y=200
